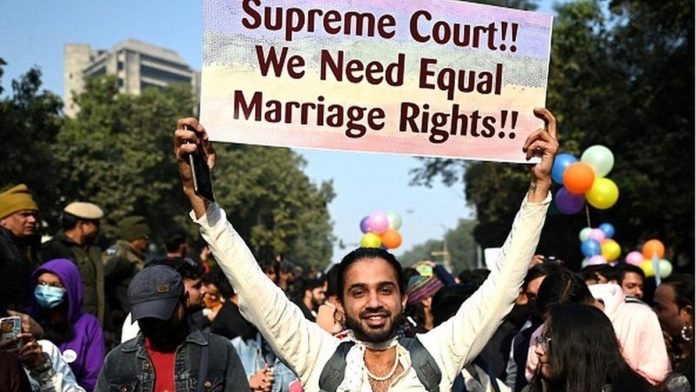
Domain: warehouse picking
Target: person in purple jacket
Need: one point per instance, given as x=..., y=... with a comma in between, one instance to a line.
x=57, y=305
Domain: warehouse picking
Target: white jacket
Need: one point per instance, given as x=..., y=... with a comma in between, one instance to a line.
x=306, y=348
x=60, y=378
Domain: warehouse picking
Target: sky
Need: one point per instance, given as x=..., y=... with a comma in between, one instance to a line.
x=33, y=33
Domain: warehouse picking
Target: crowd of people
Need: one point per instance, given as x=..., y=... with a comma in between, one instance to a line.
x=118, y=320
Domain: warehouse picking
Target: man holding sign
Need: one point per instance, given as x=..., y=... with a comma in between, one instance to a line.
x=372, y=295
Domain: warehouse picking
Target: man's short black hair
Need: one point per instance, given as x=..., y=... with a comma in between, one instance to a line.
x=174, y=239
x=310, y=284
x=218, y=278
x=368, y=253
x=623, y=269
x=187, y=268
x=69, y=221
x=540, y=270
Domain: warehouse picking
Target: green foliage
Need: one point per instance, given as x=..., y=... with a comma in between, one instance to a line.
x=117, y=153
x=458, y=242
x=273, y=204
x=622, y=77
x=30, y=121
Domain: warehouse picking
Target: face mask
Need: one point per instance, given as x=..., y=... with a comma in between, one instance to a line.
x=49, y=297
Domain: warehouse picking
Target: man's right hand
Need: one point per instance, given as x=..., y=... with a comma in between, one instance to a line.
x=189, y=137
x=262, y=380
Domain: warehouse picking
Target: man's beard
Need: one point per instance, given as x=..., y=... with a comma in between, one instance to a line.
x=370, y=336
x=164, y=336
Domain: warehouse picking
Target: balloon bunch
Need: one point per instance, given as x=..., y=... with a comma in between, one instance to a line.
x=597, y=245
x=652, y=256
x=584, y=180
x=381, y=229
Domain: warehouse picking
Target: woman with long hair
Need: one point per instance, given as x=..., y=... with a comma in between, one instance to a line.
x=578, y=352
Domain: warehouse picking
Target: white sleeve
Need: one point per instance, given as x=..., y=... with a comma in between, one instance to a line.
x=459, y=340
x=63, y=379
x=298, y=342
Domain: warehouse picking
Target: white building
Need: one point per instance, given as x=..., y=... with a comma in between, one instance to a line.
x=135, y=64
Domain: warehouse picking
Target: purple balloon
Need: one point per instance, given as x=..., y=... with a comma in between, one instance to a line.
x=569, y=203
x=378, y=222
x=364, y=226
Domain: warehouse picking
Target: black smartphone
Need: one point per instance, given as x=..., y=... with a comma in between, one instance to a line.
x=202, y=181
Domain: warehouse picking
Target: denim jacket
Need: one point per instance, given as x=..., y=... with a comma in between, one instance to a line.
x=128, y=367
x=253, y=360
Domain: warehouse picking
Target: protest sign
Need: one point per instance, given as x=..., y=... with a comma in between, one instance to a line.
x=430, y=78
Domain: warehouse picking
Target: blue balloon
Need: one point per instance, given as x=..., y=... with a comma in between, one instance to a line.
x=560, y=164
x=590, y=248
x=608, y=229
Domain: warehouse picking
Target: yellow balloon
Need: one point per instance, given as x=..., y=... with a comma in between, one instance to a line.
x=370, y=240
x=647, y=267
x=611, y=250
x=603, y=194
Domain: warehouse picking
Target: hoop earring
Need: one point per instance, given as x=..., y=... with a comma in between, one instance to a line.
x=338, y=317
x=687, y=333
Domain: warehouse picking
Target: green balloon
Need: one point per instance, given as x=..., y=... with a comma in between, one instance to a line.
x=600, y=158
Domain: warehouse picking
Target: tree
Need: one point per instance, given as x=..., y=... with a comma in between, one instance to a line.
x=117, y=153
x=459, y=243
x=30, y=121
x=273, y=204
x=617, y=78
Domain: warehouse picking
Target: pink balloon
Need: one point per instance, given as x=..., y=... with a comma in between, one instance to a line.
x=597, y=235
x=634, y=258
x=378, y=222
x=597, y=260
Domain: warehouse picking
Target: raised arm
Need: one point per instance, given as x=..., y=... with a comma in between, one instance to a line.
x=300, y=343
x=460, y=339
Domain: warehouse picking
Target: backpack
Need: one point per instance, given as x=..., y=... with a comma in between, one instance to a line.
x=423, y=363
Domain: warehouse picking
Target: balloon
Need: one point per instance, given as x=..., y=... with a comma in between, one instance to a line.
x=634, y=258
x=364, y=226
x=590, y=248
x=569, y=203
x=584, y=262
x=603, y=194
x=600, y=158
x=578, y=177
x=391, y=239
x=370, y=240
x=585, y=234
x=608, y=229
x=611, y=250
x=597, y=260
x=394, y=220
x=597, y=235
x=378, y=222
x=665, y=268
x=560, y=164
x=647, y=267
x=653, y=247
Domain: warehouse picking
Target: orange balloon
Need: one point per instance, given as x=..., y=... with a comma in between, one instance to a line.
x=391, y=239
x=578, y=177
x=653, y=247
